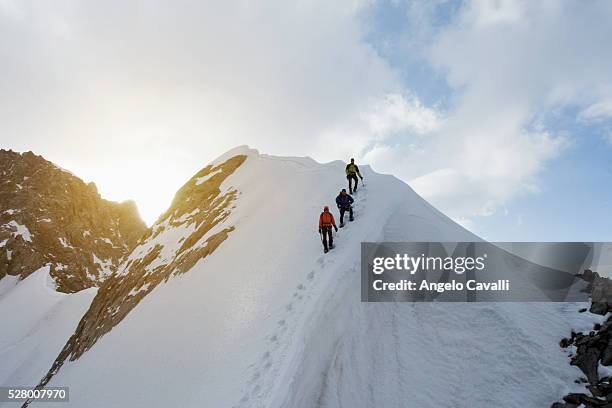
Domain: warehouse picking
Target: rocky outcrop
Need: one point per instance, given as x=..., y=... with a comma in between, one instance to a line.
x=192, y=228
x=48, y=216
x=593, y=348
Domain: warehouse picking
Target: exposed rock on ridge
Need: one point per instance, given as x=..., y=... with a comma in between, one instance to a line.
x=48, y=216
x=191, y=229
x=593, y=349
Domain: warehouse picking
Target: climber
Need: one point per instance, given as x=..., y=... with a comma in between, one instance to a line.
x=326, y=222
x=352, y=171
x=344, y=202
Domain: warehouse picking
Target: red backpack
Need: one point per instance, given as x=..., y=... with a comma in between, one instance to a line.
x=326, y=220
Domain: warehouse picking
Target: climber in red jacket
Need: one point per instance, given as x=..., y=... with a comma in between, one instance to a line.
x=326, y=222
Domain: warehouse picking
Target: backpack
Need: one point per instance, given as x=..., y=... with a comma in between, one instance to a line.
x=326, y=219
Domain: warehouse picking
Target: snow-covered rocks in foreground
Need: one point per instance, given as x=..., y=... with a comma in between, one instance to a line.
x=266, y=320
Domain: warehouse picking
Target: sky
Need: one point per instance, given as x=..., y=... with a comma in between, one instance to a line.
x=498, y=112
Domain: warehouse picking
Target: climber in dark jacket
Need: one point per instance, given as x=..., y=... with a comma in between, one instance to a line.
x=344, y=202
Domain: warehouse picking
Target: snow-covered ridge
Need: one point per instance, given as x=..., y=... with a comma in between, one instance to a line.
x=190, y=230
x=267, y=320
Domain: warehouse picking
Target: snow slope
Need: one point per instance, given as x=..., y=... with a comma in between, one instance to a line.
x=267, y=320
x=36, y=322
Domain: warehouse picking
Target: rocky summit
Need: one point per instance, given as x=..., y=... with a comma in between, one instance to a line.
x=48, y=216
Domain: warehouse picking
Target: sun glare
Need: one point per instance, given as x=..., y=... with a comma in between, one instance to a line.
x=151, y=186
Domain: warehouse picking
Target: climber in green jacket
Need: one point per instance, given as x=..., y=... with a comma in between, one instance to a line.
x=352, y=171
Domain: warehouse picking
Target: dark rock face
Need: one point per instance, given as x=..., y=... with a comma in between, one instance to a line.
x=593, y=348
x=50, y=217
x=182, y=236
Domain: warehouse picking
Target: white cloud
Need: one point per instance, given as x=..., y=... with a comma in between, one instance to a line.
x=508, y=62
x=395, y=113
x=598, y=110
x=484, y=13
x=138, y=96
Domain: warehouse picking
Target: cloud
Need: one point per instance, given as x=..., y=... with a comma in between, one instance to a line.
x=139, y=95
x=508, y=64
x=598, y=110
x=395, y=113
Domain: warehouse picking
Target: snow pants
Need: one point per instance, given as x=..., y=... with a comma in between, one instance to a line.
x=350, y=179
x=327, y=237
x=343, y=210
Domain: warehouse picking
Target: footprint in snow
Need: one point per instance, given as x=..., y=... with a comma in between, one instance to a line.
x=310, y=276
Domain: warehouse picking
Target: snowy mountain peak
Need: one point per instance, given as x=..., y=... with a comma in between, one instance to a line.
x=235, y=268
x=242, y=150
x=229, y=301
